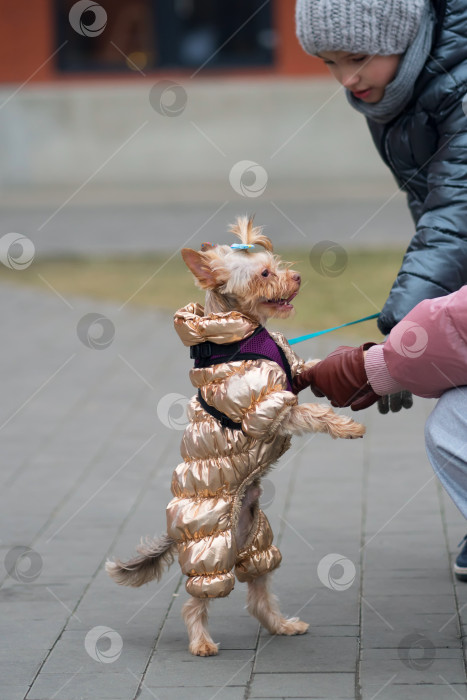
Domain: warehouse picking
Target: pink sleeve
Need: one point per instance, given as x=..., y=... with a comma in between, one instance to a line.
x=426, y=352
x=377, y=372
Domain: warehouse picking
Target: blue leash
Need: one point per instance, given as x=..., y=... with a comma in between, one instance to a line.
x=292, y=341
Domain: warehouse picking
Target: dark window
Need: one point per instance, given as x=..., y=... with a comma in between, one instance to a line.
x=126, y=36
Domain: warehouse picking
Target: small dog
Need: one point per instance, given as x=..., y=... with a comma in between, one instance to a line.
x=241, y=422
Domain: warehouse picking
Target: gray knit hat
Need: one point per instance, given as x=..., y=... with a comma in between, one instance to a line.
x=359, y=26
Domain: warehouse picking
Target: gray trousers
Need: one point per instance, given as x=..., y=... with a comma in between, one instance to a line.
x=446, y=444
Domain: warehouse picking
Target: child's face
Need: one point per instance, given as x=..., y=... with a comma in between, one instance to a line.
x=365, y=76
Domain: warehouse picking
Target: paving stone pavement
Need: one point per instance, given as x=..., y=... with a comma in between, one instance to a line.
x=119, y=226
x=89, y=437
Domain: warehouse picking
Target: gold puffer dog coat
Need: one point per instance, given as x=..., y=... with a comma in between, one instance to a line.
x=221, y=463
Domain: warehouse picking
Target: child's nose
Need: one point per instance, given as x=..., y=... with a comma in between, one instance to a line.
x=349, y=79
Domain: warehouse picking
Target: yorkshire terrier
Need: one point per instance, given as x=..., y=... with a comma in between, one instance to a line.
x=240, y=423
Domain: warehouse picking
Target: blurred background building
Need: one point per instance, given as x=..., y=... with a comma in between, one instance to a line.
x=150, y=35
x=170, y=94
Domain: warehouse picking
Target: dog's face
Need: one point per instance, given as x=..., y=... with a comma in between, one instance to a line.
x=257, y=284
x=262, y=286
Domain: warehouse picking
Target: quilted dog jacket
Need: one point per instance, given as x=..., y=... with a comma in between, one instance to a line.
x=220, y=464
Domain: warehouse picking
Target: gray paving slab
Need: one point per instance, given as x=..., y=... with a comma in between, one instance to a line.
x=421, y=669
x=78, y=685
x=85, y=472
x=303, y=685
x=423, y=691
x=172, y=668
x=304, y=654
x=14, y=692
x=183, y=693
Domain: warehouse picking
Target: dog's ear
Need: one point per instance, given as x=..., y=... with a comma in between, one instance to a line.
x=198, y=263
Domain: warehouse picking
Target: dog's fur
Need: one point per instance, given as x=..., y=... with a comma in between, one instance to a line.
x=234, y=280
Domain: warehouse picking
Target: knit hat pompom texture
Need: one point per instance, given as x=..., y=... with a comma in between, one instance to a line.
x=370, y=27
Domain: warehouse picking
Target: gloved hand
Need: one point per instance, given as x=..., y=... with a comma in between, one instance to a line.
x=394, y=402
x=341, y=377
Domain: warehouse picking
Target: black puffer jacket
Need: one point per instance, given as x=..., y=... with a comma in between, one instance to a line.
x=426, y=149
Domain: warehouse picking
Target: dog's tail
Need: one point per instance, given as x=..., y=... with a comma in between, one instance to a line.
x=155, y=556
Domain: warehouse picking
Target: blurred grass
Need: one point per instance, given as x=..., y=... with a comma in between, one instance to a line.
x=337, y=286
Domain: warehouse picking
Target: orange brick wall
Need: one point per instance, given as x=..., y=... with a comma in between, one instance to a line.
x=26, y=40
x=291, y=59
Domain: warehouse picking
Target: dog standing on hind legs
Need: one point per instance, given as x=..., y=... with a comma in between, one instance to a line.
x=240, y=423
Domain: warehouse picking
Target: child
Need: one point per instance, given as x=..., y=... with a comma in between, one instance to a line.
x=427, y=353
x=404, y=66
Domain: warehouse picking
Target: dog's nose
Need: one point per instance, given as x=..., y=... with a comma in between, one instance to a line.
x=296, y=277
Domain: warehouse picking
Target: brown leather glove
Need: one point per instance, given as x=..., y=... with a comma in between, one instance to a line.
x=341, y=377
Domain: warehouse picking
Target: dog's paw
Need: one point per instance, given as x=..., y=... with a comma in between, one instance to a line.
x=357, y=430
x=360, y=431
x=204, y=648
x=311, y=363
x=293, y=626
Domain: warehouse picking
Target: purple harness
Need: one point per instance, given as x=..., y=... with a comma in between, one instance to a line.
x=265, y=346
x=260, y=345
